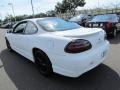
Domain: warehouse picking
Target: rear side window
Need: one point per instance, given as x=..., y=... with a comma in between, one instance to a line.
x=56, y=24
x=31, y=28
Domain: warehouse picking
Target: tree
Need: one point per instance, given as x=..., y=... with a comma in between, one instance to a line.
x=68, y=5
x=58, y=8
x=10, y=18
x=40, y=15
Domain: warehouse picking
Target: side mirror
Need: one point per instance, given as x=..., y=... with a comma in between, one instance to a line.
x=9, y=31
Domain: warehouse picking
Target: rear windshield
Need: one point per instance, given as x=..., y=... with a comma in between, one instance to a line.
x=56, y=24
x=103, y=18
x=77, y=18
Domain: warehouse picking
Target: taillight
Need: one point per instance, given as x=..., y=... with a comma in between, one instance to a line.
x=77, y=46
x=109, y=25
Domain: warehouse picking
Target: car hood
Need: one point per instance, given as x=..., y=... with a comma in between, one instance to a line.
x=78, y=32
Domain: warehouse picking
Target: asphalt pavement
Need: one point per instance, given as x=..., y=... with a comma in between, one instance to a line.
x=18, y=73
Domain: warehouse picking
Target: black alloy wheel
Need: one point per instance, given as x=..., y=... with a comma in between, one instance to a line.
x=43, y=63
x=8, y=45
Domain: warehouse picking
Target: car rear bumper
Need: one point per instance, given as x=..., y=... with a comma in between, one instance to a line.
x=73, y=65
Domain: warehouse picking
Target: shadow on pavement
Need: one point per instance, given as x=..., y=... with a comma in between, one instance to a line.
x=25, y=76
x=115, y=40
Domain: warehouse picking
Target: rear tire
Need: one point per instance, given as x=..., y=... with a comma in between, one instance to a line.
x=43, y=63
x=114, y=33
x=8, y=46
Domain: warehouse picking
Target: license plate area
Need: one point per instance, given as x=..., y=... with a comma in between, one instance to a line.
x=95, y=25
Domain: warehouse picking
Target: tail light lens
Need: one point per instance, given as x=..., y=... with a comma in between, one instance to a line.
x=77, y=46
x=109, y=25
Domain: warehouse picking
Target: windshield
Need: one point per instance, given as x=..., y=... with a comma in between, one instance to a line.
x=56, y=24
x=103, y=18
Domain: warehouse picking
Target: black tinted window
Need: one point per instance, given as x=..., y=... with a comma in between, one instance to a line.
x=56, y=24
x=20, y=28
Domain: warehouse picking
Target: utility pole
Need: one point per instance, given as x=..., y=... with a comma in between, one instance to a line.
x=32, y=8
x=98, y=4
x=11, y=4
x=98, y=7
x=1, y=12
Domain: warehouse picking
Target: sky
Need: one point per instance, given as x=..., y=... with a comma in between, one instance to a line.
x=22, y=7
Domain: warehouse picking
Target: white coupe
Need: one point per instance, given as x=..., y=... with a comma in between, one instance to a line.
x=58, y=46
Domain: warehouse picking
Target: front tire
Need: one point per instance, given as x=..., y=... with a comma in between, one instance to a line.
x=43, y=63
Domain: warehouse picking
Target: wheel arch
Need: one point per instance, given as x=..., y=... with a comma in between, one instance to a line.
x=49, y=64
x=42, y=52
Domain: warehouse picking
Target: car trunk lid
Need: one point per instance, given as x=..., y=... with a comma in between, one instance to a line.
x=94, y=35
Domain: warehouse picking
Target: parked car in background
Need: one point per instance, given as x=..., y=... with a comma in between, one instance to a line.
x=108, y=22
x=58, y=46
x=81, y=19
x=0, y=24
x=118, y=16
x=7, y=25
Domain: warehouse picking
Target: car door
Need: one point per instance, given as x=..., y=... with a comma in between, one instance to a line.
x=27, y=39
x=16, y=37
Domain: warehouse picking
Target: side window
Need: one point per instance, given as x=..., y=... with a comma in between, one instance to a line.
x=30, y=28
x=20, y=28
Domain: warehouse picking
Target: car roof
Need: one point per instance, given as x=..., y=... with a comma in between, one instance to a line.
x=106, y=14
x=35, y=19
x=102, y=18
